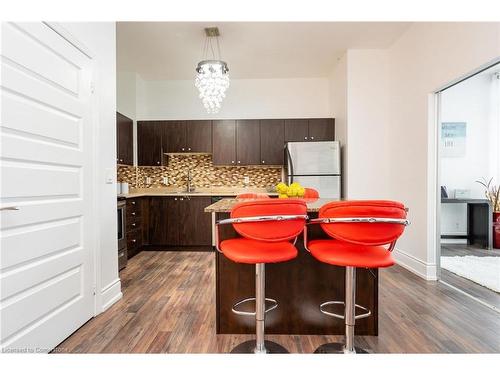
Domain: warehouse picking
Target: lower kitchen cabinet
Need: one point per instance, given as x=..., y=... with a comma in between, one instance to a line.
x=134, y=226
x=179, y=222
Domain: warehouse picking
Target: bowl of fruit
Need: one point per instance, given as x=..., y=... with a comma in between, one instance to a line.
x=294, y=190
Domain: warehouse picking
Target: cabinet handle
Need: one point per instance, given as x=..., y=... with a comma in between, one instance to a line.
x=133, y=202
x=305, y=138
x=133, y=224
x=312, y=137
x=11, y=208
x=134, y=240
x=121, y=160
x=133, y=214
x=181, y=199
x=183, y=149
x=189, y=148
x=157, y=162
x=239, y=162
x=263, y=162
x=232, y=161
x=121, y=254
x=175, y=199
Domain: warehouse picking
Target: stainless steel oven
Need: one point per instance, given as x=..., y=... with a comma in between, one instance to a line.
x=122, y=239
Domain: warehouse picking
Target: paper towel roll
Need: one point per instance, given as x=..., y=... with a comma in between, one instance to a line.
x=124, y=187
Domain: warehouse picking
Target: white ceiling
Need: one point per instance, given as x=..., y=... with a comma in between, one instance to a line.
x=171, y=50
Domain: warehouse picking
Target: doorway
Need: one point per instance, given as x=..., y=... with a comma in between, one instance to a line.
x=468, y=185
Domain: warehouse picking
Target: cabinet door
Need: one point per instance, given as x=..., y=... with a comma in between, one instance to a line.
x=164, y=221
x=199, y=136
x=174, y=136
x=158, y=220
x=124, y=140
x=247, y=142
x=224, y=142
x=272, y=139
x=149, y=150
x=322, y=129
x=296, y=130
x=196, y=228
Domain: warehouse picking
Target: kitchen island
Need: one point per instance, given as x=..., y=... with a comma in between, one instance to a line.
x=299, y=286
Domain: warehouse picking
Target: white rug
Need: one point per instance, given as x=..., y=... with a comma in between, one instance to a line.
x=481, y=270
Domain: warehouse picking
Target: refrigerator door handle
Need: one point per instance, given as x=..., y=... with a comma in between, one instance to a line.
x=290, y=164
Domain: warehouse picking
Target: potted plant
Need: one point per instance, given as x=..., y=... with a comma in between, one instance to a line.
x=492, y=193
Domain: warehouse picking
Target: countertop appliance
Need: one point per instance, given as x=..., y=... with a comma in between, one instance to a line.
x=315, y=165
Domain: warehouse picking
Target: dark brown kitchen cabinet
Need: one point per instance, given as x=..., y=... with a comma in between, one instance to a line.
x=296, y=130
x=174, y=136
x=305, y=130
x=134, y=228
x=224, y=142
x=321, y=129
x=272, y=137
x=164, y=221
x=179, y=221
x=247, y=142
x=149, y=143
x=199, y=136
x=196, y=224
x=124, y=140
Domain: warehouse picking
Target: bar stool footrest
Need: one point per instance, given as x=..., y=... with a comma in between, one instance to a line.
x=338, y=316
x=274, y=304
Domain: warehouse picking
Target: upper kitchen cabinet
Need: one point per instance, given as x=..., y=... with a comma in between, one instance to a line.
x=296, y=130
x=199, y=136
x=224, y=142
x=321, y=129
x=303, y=130
x=149, y=143
x=272, y=137
x=247, y=142
x=174, y=136
x=124, y=140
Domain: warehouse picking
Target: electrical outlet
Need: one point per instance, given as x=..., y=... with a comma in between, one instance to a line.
x=165, y=180
x=246, y=180
x=148, y=180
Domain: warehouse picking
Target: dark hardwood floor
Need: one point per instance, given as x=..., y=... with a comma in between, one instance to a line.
x=476, y=290
x=168, y=306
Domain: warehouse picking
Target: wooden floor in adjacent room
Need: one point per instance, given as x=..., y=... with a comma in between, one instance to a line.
x=478, y=291
x=168, y=306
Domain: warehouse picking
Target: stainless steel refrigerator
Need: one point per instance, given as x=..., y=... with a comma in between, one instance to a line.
x=315, y=165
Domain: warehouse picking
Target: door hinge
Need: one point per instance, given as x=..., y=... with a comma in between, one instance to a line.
x=93, y=290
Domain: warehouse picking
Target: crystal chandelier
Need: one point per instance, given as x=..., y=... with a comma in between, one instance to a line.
x=212, y=78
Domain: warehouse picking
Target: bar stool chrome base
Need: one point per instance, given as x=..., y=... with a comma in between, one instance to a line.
x=250, y=347
x=338, y=348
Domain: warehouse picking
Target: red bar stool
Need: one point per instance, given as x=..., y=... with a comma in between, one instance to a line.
x=266, y=227
x=365, y=233
x=311, y=193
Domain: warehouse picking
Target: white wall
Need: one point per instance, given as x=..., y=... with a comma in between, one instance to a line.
x=469, y=102
x=425, y=58
x=99, y=38
x=246, y=98
x=338, y=102
x=368, y=119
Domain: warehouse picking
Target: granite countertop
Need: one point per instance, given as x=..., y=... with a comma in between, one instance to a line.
x=199, y=192
x=226, y=204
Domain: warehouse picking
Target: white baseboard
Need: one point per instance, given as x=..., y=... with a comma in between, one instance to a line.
x=455, y=241
x=425, y=270
x=111, y=294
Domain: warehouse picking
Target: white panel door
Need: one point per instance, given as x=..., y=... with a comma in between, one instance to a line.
x=46, y=264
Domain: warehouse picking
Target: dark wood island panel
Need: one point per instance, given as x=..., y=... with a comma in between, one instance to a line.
x=299, y=286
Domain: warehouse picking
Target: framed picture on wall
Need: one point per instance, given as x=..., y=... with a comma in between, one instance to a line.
x=453, y=136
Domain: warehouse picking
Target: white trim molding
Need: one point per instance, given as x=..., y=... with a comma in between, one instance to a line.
x=110, y=294
x=423, y=269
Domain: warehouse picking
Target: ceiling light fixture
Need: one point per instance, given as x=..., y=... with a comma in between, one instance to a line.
x=212, y=78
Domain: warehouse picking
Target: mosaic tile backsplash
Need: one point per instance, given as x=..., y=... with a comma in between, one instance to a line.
x=203, y=173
